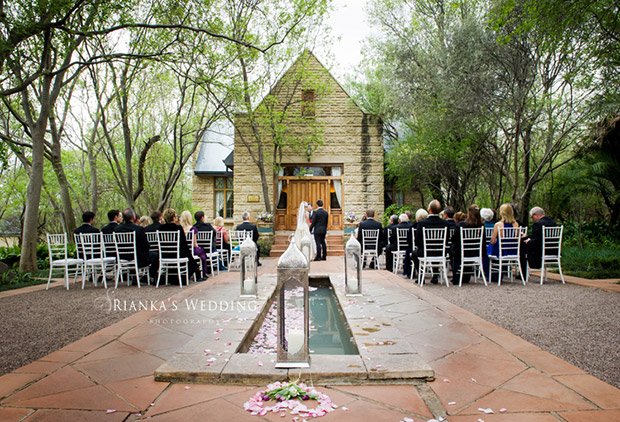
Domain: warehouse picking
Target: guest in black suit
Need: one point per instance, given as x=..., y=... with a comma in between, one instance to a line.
x=171, y=225
x=144, y=255
x=154, y=226
x=534, y=242
x=409, y=252
x=391, y=236
x=433, y=221
x=114, y=218
x=371, y=224
x=249, y=227
x=87, y=218
x=319, y=229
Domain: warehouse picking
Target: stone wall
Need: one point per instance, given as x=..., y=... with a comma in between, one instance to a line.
x=350, y=137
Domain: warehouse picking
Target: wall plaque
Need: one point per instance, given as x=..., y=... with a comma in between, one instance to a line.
x=253, y=198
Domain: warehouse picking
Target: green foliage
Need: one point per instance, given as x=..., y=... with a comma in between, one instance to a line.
x=593, y=262
x=591, y=234
x=10, y=255
x=265, y=246
x=394, y=209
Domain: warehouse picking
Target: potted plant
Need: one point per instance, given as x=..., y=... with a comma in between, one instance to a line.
x=264, y=222
x=350, y=222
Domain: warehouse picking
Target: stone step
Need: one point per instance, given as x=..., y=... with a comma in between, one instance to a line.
x=335, y=244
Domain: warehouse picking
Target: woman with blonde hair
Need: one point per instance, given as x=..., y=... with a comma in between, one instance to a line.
x=507, y=219
x=218, y=225
x=186, y=223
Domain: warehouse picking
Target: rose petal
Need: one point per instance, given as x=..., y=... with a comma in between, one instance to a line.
x=186, y=387
x=452, y=403
x=503, y=409
x=111, y=411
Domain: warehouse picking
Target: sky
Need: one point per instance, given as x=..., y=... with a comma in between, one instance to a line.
x=348, y=21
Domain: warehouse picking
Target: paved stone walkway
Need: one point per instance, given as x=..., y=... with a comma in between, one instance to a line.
x=477, y=365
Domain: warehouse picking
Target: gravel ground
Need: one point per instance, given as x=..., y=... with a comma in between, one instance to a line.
x=578, y=324
x=38, y=323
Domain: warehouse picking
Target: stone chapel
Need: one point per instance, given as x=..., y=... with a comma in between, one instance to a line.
x=343, y=165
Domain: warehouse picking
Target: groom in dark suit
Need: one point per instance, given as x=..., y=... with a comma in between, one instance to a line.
x=319, y=228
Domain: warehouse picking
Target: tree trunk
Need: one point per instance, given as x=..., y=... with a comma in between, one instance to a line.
x=28, y=260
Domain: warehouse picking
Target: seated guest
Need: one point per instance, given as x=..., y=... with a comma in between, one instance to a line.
x=371, y=224
x=219, y=227
x=448, y=215
x=249, y=227
x=404, y=224
x=186, y=223
x=433, y=221
x=420, y=215
x=171, y=225
x=115, y=218
x=145, y=257
x=157, y=221
x=507, y=220
x=487, y=215
x=473, y=221
x=534, y=242
x=391, y=236
x=459, y=217
x=202, y=225
x=88, y=218
x=145, y=221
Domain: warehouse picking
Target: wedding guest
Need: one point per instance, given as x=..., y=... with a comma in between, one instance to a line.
x=432, y=221
x=144, y=255
x=88, y=218
x=186, y=223
x=473, y=221
x=171, y=221
x=249, y=227
x=145, y=221
x=156, y=222
x=219, y=227
x=114, y=219
x=459, y=217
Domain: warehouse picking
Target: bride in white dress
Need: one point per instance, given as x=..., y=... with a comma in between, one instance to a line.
x=303, y=229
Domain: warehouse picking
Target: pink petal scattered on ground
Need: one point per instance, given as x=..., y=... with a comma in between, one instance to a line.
x=344, y=408
x=502, y=410
x=186, y=387
x=260, y=363
x=487, y=411
x=216, y=339
x=207, y=351
x=111, y=411
x=446, y=380
x=228, y=344
x=408, y=420
x=152, y=404
x=473, y=380
x=452, y=403
x=480, y=420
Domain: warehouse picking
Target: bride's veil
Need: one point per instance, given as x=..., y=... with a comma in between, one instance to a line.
x=302, y=228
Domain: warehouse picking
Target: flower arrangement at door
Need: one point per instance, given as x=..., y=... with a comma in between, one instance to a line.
x=264, y=217
x=350, y=218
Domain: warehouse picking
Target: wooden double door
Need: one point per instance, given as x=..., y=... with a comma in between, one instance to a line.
x=310, y=191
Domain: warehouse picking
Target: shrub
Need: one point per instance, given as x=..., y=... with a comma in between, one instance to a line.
x=265, y=246
x=395, y=209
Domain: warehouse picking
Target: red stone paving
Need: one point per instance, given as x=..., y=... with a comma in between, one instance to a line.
x=486, y=366
x=402, y=397
x=51, y=415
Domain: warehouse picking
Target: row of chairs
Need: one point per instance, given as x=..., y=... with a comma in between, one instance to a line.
x=99, y=253
x=436, y=245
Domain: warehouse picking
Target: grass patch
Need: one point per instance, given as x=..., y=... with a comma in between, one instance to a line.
x=593, y=262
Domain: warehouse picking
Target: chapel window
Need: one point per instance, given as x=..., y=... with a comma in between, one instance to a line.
x=391, y=195
x=308, y=103
x=224, y=197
